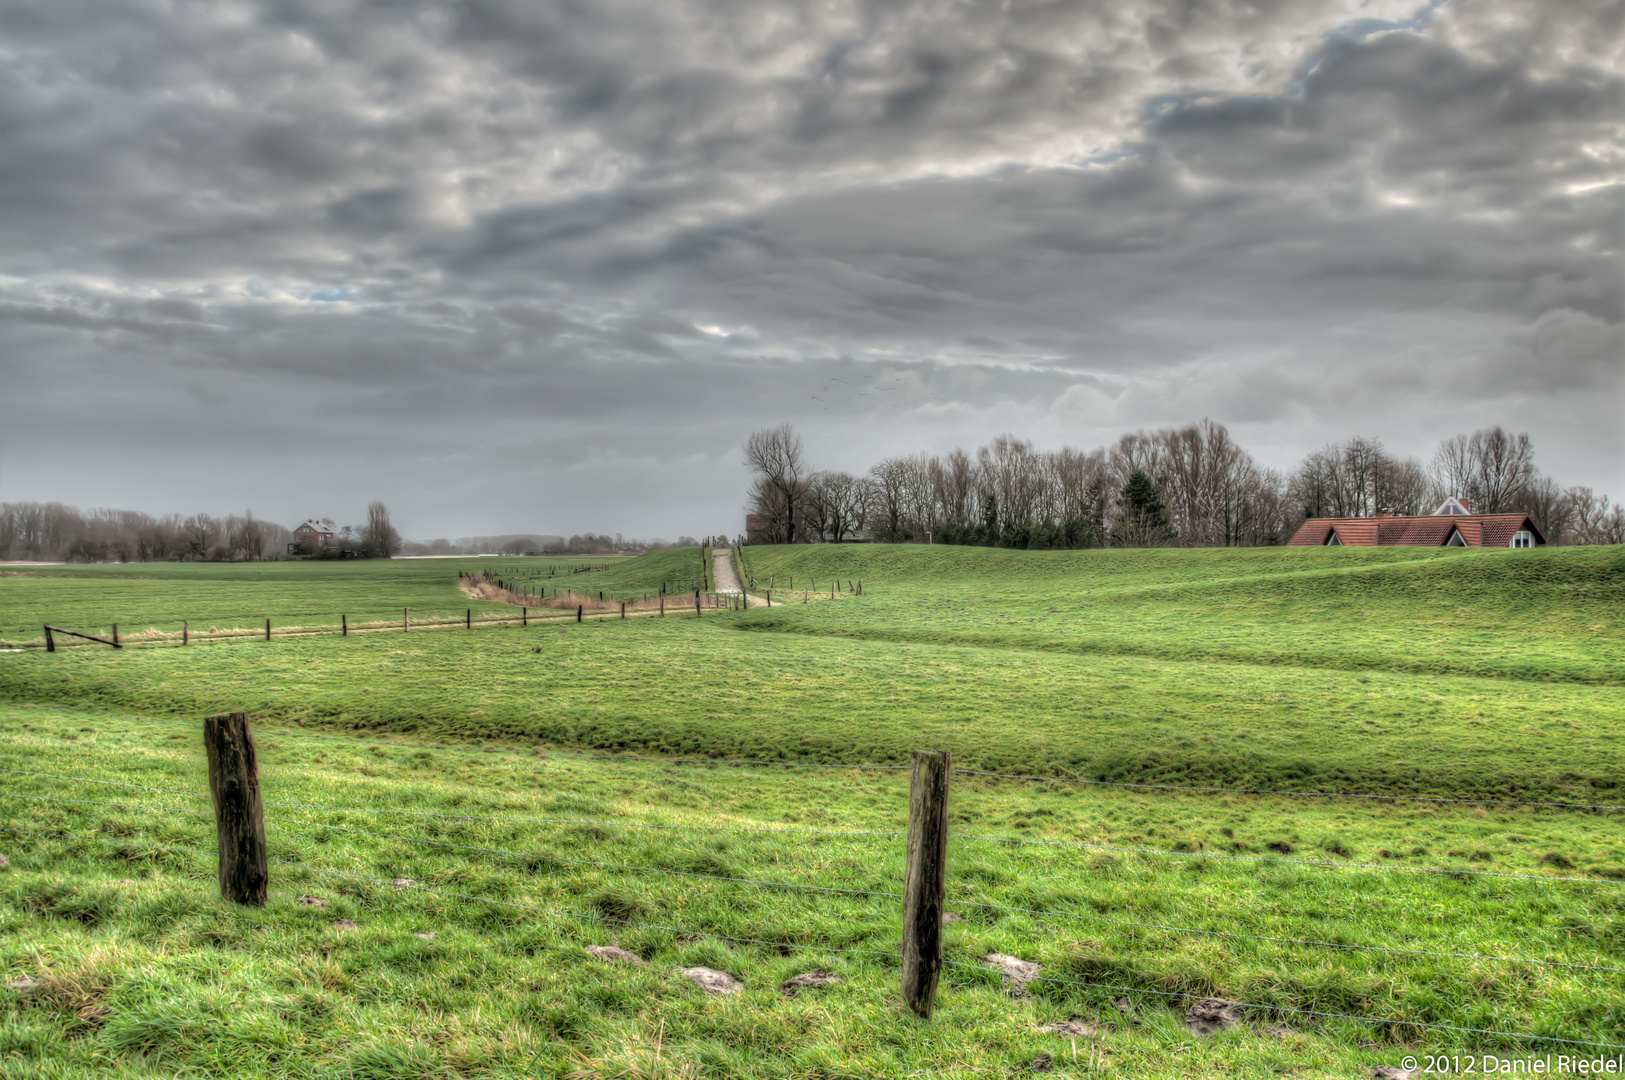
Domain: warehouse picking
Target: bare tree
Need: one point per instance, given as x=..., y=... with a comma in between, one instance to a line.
x=378, y=536
x=1543, y=500
x=775, y=456
x=1489, y=468
x=1503, y=466
x=955, y=481
x=889, y=503
x=1590, y=518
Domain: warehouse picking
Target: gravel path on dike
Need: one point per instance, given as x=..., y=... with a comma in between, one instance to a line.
x=722, y=572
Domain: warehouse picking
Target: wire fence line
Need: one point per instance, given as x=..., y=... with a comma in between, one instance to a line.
x=403, y=885
x=1390, y=1022
x=1008, y=840
x=540, y=856
x=1391, y=868
x=712, y=762
x=1202, y=790
x=471, y=817
x=1039, y=912
x=981, y=970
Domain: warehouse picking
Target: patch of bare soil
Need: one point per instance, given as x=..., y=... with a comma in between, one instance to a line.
x=1076, y=1028
x=1018, y=973
x=344, y=924
x=815, y=979
x=713, y=981
x=311, y=901
x=615, y=953
x=1211, y=1016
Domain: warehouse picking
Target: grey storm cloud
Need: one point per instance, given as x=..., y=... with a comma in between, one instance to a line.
x=447, y=254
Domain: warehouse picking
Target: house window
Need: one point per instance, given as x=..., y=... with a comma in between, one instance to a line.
x=1522, y=538
x=1455, y=539
x=1333, y=541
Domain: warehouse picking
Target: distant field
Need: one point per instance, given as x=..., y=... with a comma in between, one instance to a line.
x=1449, y=675
x=158, y=596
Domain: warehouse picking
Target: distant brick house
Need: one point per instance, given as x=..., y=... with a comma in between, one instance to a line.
x=1451, y=525
x=311, y=535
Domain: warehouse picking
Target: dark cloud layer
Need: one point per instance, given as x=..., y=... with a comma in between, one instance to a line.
x=495, y=262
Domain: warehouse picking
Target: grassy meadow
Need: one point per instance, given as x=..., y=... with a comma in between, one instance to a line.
x=1479, y=675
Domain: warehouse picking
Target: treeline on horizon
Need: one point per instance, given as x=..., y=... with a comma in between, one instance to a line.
x=1192, y=486
x=35, y=531
x=55, y=531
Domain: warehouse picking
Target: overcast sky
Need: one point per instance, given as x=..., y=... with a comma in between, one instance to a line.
x=512, y=265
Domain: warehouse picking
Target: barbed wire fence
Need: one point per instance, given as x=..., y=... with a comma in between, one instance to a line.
x=68, y=788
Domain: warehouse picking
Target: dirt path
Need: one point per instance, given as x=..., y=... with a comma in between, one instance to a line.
x=722, y=572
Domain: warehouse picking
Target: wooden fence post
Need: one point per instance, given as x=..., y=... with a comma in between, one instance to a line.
x=662, y=605
x=578, y=612
x=186, y=631
x=239, y=811
x=925, y=880
x=468, y=620
x=406, y=620
x=50, y=642
x=267, y=631
x=696, y=601
x=524, y=616
x=115, y=633
x=623, y=609
x=344, y=625
x=770, y=598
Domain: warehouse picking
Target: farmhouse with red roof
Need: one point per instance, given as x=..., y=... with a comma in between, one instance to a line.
x=1451, y=525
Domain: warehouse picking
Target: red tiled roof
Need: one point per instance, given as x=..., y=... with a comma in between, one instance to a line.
x=1478, y=530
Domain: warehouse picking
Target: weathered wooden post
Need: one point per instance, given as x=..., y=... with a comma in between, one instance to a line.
x=344, y=625
x=524, y=616
x=239, y=811
x=186, y=631
x=267, y=629
x=115, y=633
x=925, y=880
x=623, y=609
x=468, y=620
x=770, y=598
x=578, y=612
x=50, y=642
x=406, y=620
x=696, y=601
x=662, y=605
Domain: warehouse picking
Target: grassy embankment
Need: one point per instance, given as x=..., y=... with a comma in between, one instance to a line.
x=911, y=663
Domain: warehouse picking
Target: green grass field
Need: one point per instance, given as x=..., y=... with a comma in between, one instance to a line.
x=1479, y=675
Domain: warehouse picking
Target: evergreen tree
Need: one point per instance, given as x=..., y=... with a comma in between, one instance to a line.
x=1144, y=522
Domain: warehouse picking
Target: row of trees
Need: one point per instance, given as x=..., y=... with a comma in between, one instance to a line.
x=54, y=531
x=1192, y=486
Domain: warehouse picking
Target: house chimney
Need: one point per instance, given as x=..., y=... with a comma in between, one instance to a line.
x=1464, y=506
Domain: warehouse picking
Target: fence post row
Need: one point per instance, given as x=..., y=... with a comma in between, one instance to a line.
x=239, y=810
x=925, y=880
